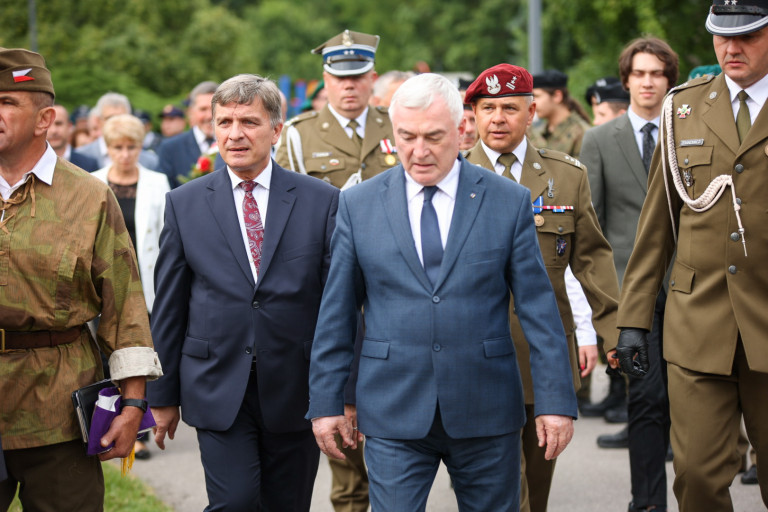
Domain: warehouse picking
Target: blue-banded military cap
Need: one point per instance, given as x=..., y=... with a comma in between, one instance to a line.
x=349, y=53
x=606, y=90
x=737, y=17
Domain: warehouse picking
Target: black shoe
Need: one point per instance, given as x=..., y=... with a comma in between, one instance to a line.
x=632, y=508
x=618, y=440
x=750, y=476
x=617, y=414
x=617, y=395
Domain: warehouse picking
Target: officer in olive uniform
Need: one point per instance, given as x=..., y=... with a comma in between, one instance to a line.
x=343, y=144
x=705, y=212
x=347, y=141
x=568, y=233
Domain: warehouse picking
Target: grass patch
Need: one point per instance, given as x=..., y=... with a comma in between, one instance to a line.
x=127, y=494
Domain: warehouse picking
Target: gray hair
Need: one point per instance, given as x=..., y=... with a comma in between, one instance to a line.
x=206, y=87
x=112, y=99
x=421, y=90
x=382, y=83
x=243, y=89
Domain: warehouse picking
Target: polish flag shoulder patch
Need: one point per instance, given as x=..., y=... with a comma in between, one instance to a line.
x=22, y=75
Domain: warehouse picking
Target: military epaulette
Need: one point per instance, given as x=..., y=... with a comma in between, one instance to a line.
x=559, y=155
x=704, y=79
x=383, y=110
x=301, y=117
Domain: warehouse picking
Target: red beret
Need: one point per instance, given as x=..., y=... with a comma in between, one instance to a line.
x=499, y=81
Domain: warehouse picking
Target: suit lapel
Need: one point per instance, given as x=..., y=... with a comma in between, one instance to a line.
x=222, y=205
x=719, y=113
x=625, y=139
x=396, y=208
x=374, y=131
x=281, y=202
x=757, y=133
x=469, y=197
x=191, y=143
x=534, y=176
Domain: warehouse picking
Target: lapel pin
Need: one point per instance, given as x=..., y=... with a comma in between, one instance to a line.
x=325, y=126
x=536, y=165
x=550, y=188
x=713, y=95
x=472, y=195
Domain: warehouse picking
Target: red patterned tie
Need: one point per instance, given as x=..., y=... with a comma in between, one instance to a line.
x=253, y=226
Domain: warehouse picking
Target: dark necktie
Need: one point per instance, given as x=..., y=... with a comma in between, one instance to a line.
x=355, y=136
x=253, y=225
x=507, y=159
x=743, y=120
x=209, y=142
x=431, y=243
x=648, y=145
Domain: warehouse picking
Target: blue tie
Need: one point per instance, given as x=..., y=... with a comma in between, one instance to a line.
x=431, y=243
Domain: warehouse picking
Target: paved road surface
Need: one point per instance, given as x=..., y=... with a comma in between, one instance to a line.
x=587, y=478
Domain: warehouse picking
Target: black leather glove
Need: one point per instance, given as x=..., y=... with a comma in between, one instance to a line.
x=633, y=341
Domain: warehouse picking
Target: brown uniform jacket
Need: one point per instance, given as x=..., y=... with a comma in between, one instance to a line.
x=315, y=143
x=716, y=293
x=581, y=242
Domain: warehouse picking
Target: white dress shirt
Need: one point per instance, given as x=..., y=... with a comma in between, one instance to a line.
x=517, y=167
x=261, y=194
x=637, y=123
x=758, y=93
x=443, y=201
x=344, y=122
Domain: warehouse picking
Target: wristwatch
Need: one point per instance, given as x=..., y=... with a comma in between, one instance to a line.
x=134, y=402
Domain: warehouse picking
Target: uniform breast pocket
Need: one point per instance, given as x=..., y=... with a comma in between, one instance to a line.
x=695, y=164
x=328, y=168
x=556, y=238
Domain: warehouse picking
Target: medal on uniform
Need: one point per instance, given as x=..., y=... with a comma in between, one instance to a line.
x=387, y=147
x=684, y=111
x=687, y=178
x=538, y=220
x=334, y=161
x=560, y=245
x=550, y=188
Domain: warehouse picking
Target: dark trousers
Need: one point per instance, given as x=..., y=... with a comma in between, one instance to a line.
x=248, y=468
x=54, y=478
x=485, y=471
x=649, y=421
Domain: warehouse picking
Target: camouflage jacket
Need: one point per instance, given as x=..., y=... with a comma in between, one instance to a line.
x=65, y=257
x=565, y=138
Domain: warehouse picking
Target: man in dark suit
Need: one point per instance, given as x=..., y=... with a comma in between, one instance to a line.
x=244, y=256
x=617, y=155
x=431, y=249
x=58, y=137
x=179, y=153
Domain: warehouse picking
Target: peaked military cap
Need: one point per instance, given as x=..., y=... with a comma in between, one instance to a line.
x=24, y=70
x=349, y=53
x=737, y=17
x=499, y=81
x=171, y=111
x=607, y=89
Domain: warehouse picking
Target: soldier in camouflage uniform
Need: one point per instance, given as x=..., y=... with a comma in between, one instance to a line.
x=323, y=144
x=563, y=120
x=65, y=257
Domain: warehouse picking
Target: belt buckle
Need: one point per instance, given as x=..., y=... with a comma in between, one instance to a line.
x=2, y=341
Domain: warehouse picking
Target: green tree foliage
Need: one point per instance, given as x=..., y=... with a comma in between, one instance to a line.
x=155, y=51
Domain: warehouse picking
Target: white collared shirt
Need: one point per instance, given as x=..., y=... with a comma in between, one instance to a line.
x=261, y=194
x=637, y=123
x=517, y=167
x=443, y=201
x=43, y=171
x=344, y=122
x=758, y=93
x=200, y=139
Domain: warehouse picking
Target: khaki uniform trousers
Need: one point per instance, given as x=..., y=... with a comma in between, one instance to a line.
x=534, y=468
x=349, y=491
x=706, y=412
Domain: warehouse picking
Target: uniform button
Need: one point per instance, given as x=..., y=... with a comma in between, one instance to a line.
x=255, y=304
x=672, y=283
x=739, y=168
x=362, y=165
x=436, y=347
x=735, y=236
x=559, y=229
x=685, y=161
x=435, y=299
x=248, y=350
x=738, y=200
x=732, y=269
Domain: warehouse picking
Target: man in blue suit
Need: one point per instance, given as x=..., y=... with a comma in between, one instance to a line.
x=179, y=153
x=244, y=255
x=432, y=249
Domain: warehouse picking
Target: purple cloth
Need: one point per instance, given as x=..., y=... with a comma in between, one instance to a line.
x=107, y=409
